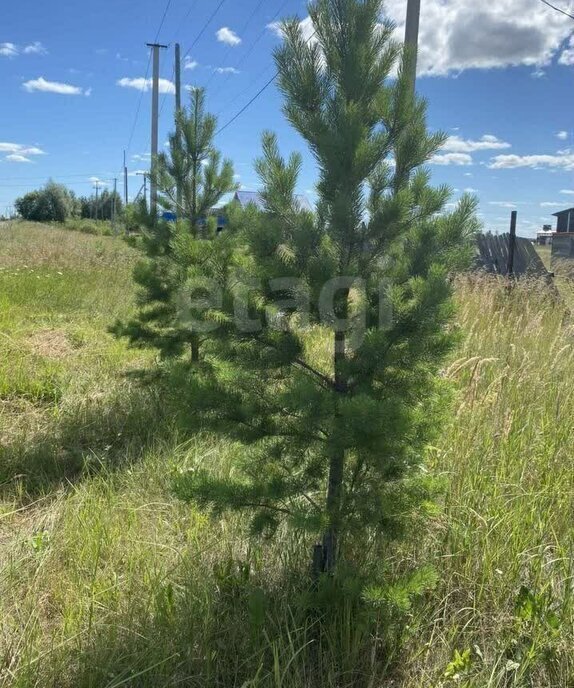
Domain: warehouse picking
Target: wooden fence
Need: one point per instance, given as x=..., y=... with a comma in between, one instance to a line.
x=492, y=256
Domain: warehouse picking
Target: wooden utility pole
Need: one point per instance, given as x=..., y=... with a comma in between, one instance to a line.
x=145, y=176
x=97, y=187
x=412, y=35
x=154, y=123
x=125, y=180
x=114, y=205
x=177, y=109
x=511, y=244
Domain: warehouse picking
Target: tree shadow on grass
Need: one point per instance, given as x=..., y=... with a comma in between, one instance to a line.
x=219, y=623
x=108, y=430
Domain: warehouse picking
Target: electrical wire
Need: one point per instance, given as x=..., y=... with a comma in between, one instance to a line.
x=249, y=51
x=250, y=102
x=241, y=32
x=140, y=99
x=558, y=9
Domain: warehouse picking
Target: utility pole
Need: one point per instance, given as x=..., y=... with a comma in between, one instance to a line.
x=177, y=110
x=97, y=187
x=114, y=206
x=511, y=244
x=154, y=123
x=125, y=180
x=144, y=175
x=412, y=35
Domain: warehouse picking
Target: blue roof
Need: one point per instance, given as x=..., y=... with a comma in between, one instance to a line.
x=246, y=197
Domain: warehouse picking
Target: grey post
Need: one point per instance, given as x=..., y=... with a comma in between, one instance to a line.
x=97, y=186
x=114, y=205
x=412, y=33
x=511, y=243
x=177, y=108
x=125, y=180
x=154, y=122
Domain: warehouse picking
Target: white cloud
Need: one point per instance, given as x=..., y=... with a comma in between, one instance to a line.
x=470, y=190
x=563, y=160
x=15, y=157
x=13, y=50
x=466, y=34
x=44, y=86
x=141, y=156
x=35, y=48
x=19, y=149
x=226, y=70
x=189, y=63
x=227, y=36
x=305, y=24
x=9, y=49
x=451, y=159
x=502, y=204
x=567, y=56
x=98, y=181
x=562, y=135
x=456, y=144
x=570, y=192
x=552, y=204
x=142, y=84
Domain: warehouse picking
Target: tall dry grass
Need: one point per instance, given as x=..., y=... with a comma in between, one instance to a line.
x=106, y=580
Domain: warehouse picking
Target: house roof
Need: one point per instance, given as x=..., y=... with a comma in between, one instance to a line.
x=563, y=212
x=246, y=197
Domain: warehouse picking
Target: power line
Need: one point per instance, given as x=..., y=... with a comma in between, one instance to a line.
x=162, y=20
x=194, y=43
x=238, y=114
x=558, y=9
x=251, y=48
x=139, y=105
x=207, y=23
x=241, y=31
x=261, y=90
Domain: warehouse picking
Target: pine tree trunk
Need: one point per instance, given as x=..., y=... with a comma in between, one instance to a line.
x=337, y=461
x=194, y=350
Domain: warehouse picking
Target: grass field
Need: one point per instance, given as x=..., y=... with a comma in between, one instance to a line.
x=107, y=580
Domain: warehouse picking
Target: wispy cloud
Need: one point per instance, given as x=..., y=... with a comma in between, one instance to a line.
x=44, y=86
x=227, y=36
x=563, y=160
x=562, y=135
x=226, y=70
x=35, y=48
x=569, y=192
x=12, y=50
x=456, y=144
x=9, y=49
x=142, y=84
x=451, y=159
x=503, y=204
x=20, y=149
x=15, y=157
x=190, y=63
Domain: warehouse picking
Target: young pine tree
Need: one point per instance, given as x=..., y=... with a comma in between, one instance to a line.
x=191, y=179
x=331, y=376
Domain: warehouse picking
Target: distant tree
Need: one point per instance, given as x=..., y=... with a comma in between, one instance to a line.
x=331, y=378
x=191, y=179
x=53, y=203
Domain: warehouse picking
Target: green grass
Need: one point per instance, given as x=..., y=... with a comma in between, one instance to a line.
x=107, y=580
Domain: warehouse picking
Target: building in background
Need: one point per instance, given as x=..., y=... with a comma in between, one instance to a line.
x=565, y=221
x=544, y=236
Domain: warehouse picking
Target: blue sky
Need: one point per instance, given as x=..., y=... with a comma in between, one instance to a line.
x=498, y=78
